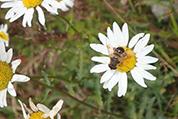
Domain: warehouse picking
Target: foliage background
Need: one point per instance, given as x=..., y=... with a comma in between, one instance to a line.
x=58, y=61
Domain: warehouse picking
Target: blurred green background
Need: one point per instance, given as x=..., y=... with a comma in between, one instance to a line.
x=58, y=61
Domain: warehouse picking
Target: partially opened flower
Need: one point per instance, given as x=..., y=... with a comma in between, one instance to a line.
x=122, y=57
x=7, y=74
x=4, y=36
x=40, y=111
x=27, y=8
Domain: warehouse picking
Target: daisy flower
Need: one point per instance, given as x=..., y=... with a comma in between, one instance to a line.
x=123, y=57
x=4, y=36
x=7, y=74
x=26, y=9
x=40, y=111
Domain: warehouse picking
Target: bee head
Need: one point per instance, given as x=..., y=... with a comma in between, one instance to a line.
x=119, y=50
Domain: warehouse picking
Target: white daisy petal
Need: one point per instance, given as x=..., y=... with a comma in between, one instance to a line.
x=135, y=39
x=19, y=12
x=99, y=68
x=62, y=6
x=137, y=77
x=145, y=66
x=3, y=57
x=114, y=80
x=3, y=102
x=58, y=116
x=122, y=85
x=58, y=106
x=11, y=90
x=10, y=14
x=5, y=28
x=15, y=64
x=9, y=4
x=32, y=105
x=9, y=55
x=125, y=34
x=1, y=99
x=107, y=76
x=48, y=7
x=6, y=43
x=5, y=97
x=111, y=38
x=65, y=4
x=23, y=110
x=41, y=17
x=147, y=59
x=54, y=110
x=104, y=60
x=30, y=16
x=2, y=48
x=146, y=74
x=142, y=43
x=146, y=50
x=19, y=78
x=103, y=38
x=118, y=35
x=69, y=3
x=43, y=108
x=100, y=48
x=105, y=84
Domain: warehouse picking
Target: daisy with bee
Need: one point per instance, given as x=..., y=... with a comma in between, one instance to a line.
x=122, y=57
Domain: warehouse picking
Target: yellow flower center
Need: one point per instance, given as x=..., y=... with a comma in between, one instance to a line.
x=5, y=74
x=31, y=3
x=37, y=115
x=128, y=62
x=4, y=36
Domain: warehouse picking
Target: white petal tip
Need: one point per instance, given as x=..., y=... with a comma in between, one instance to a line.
x=125, y=24
x=91, y=45
x=91, y=71
x=115, y=23
x=153, y=79
x=101, y=81
x=120, y=95
x=144, y=86
x=156, y=59
x=27, y=79
x=109, y=89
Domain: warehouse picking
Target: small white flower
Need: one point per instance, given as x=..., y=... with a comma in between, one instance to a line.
x=122, y=57
x=4, y=36
x=19, y=8
x=7, y=74
x=40, y=111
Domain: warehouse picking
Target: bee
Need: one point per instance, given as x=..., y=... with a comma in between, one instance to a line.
x=117, y=57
